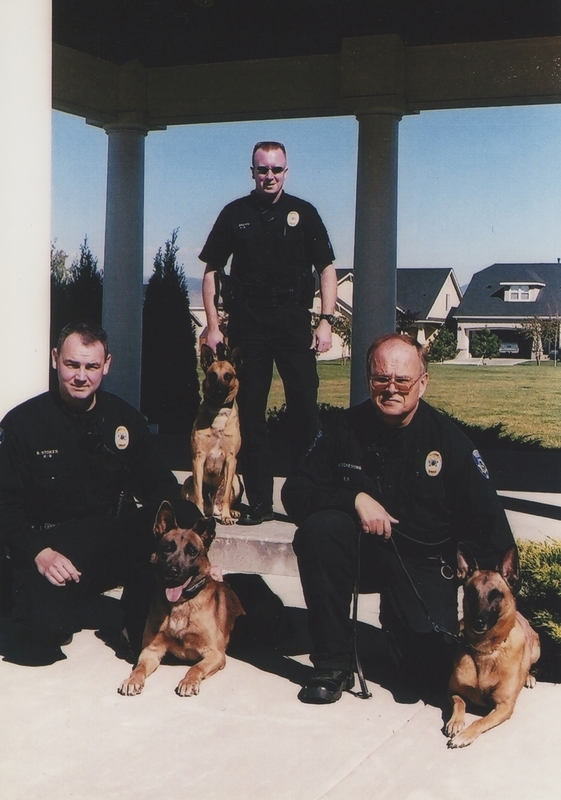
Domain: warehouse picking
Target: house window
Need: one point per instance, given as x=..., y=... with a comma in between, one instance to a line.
x=447, y=302
x=519, y=294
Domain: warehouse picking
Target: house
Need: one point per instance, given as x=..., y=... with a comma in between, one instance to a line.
x=429, y=294
x=500, y=297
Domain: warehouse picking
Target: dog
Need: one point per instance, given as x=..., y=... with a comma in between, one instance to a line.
x=496, y=650
x=215, y=440
x=191, y=614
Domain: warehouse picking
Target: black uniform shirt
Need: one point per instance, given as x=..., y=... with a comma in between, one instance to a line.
x=58, y=465
x=427, y=475
x=271, y=244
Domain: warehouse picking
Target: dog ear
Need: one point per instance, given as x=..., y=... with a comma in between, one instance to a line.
x=510, y=568
x=207, y=357
x=165, y=519
x=236, y=357
x=467, y=564
x=206, y=529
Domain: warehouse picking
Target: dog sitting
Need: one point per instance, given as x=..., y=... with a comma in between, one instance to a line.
x=215, y=440
x=497, y=649
x=191, y=614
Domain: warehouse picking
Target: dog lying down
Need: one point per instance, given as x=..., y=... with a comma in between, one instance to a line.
x=191, y=614
x=497, y=649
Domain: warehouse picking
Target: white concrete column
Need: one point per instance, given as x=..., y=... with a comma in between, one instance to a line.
x=123, y=262
x=374, y=288
x=25, y=199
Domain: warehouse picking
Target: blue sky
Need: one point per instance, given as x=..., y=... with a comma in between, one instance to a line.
x=476, y=186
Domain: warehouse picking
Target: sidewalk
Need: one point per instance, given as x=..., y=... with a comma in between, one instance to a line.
x=68, y=735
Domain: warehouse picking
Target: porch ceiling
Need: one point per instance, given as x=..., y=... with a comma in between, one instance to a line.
x=165, y=33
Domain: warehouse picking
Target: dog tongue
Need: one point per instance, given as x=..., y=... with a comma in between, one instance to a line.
x=174, y=593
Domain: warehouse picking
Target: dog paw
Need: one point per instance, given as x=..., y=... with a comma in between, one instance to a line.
x=530, y=682
x=187, y=688
x=130, y=687
x=453, y=727
x=460, y=740
x=230, y=520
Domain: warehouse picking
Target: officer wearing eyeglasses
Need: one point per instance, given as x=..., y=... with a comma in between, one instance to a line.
x=395, y=481
x=74, y=464
x=275, y=240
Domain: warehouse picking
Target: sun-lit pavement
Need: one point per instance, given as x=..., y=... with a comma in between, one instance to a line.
x=66, y=734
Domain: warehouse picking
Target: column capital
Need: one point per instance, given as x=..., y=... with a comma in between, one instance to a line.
x=131, y=124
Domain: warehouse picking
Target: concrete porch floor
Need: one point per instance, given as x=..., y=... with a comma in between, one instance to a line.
x=66, y=733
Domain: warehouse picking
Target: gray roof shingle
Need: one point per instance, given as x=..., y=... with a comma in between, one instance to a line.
x=484, y=295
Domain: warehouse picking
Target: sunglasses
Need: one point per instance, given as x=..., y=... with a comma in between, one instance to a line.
x=380, y=383
x=265, y=170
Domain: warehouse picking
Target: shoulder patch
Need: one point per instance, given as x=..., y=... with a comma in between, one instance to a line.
x=480, y=464
x=1, y=435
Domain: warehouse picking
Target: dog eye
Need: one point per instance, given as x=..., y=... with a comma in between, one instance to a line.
x=227, y=377
x=169, y=547
x=191, y=550
x=495, y=595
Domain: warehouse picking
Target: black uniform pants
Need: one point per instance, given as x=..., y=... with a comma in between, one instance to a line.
x=108, y=552
x=266, y=335
x=326, y=546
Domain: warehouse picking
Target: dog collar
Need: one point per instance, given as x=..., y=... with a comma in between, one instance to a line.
x=193, y=588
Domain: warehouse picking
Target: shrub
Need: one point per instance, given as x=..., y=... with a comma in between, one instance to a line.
x=540, y=600
x=444, y=346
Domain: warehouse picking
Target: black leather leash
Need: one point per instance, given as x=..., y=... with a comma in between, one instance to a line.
x=446, y=572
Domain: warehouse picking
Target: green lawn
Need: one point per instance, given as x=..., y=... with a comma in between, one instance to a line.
x=525, y=398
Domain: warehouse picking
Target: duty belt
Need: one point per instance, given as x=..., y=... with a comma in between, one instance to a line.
x=268, y=297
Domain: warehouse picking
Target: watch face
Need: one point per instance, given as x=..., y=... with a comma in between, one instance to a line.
x=329, y=317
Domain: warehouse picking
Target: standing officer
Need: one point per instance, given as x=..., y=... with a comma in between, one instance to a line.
x=275, y=240
x=74, y=463
x=405, y=476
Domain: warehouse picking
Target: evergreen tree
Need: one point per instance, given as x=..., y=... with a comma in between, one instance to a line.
x=485, y=344
x=444, y=346
x=85, y=287
x=169, y=383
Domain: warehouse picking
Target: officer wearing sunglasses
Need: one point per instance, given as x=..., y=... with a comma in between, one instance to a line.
x=275, y=241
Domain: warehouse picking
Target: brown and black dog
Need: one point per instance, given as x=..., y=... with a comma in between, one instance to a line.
x=215, y=440
x=497, y=648
x=191, y=615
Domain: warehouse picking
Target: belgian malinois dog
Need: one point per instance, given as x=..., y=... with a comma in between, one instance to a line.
x=496, y=651
x=191, y=615
x=215, y=440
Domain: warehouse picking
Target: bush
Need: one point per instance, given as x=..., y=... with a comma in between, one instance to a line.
x=444, y=346
x=540, y=600
x=485, y=344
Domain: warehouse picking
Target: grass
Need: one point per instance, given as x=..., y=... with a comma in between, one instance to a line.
x=525, y=398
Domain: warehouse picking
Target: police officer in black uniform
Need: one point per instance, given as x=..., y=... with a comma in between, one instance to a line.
x=397, y=478
x=74, y=463
x=275, y=240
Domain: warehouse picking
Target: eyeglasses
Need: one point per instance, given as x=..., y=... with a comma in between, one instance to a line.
x=380, y=383
x=265, y=170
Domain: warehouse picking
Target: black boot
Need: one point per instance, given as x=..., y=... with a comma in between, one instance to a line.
x=327, y=686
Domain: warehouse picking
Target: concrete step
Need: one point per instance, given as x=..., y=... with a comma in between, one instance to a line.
x=266, y=549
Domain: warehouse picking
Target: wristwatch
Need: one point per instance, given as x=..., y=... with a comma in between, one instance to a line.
x=329, y=317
